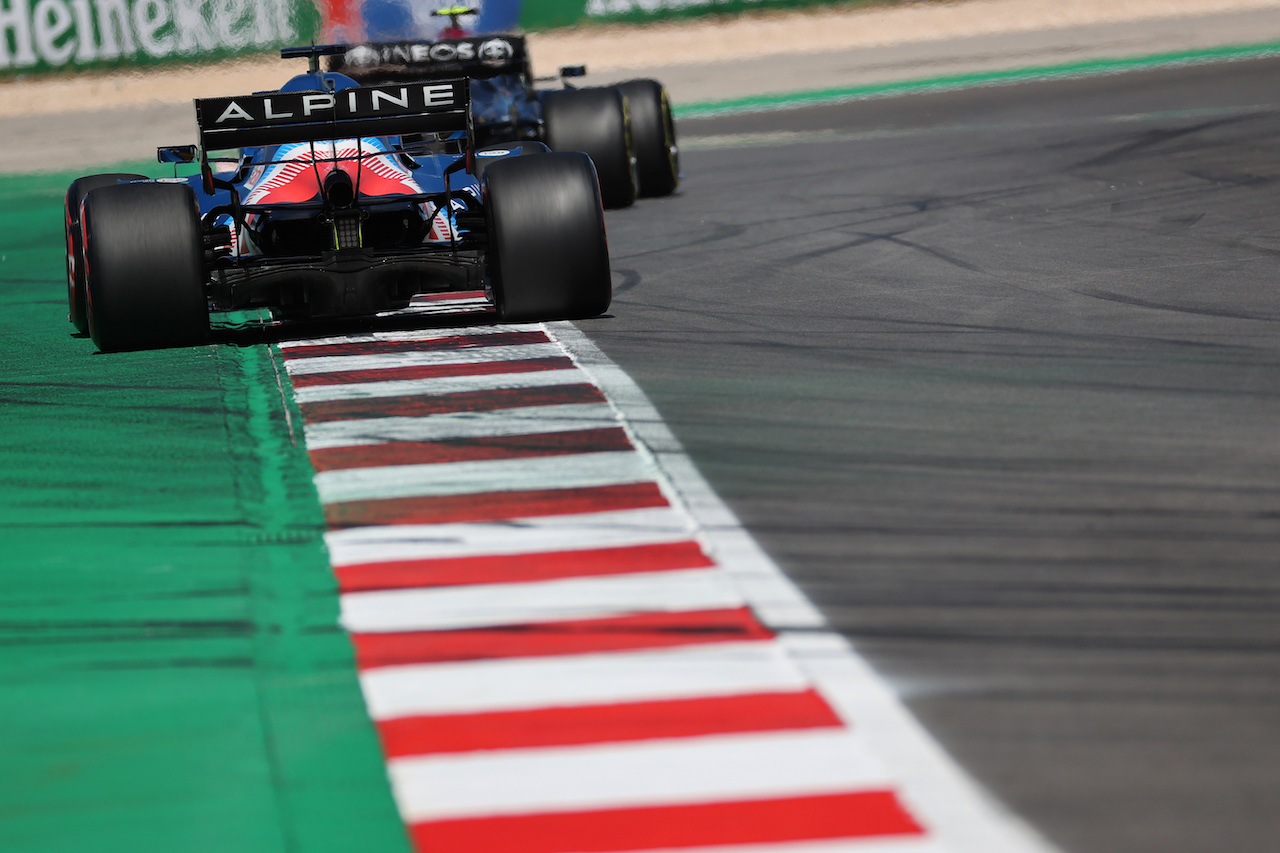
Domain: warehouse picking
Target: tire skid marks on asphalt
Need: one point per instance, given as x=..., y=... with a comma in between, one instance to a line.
x=554, y=659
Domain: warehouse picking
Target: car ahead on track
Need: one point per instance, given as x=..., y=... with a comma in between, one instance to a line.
x=340, y=200
x=627, y=129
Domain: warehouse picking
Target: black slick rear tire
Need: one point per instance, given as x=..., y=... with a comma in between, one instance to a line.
x=144, y=267
x=653, y=134
x=548, y=257
x=80, y=187
x=595, y=122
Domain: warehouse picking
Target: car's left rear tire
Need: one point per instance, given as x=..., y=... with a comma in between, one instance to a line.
x=548, y=257
x=144, y=267
x=77, y=311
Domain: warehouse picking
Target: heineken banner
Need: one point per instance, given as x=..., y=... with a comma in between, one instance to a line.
x=59, y=35
x=42, y=35
x=52, y=35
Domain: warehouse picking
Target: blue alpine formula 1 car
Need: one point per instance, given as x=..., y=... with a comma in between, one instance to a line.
x=331, y=199
x=627, y=129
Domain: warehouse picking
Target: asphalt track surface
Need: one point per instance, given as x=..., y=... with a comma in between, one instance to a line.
x=995, y=376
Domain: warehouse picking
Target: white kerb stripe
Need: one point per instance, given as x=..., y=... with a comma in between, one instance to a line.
x=441, y=385
x=305, y=365
x=604, y=678
x=645, y=773
x=529, y=420
x=482, y=605
x=517, y=536
x=437, y=479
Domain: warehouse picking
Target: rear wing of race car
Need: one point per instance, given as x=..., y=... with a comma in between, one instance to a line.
x=434, y=60
x=277, y=118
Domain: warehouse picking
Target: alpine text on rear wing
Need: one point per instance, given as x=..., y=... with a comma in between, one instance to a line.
x=276, y=118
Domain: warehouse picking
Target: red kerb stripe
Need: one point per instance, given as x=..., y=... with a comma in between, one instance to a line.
x=430, y=371
x=494, y=506
x=760, y=712
x=853, y=815
x=471, y=449
x=521, y=568
x=423, y=405
x=453, y=342
x=609, y=634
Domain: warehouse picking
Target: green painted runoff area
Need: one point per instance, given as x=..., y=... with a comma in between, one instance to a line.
x=172, y=674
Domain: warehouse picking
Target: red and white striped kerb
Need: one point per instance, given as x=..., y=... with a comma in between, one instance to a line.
x=566, y=641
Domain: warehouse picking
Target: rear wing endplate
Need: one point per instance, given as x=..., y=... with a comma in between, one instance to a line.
x=276, y=118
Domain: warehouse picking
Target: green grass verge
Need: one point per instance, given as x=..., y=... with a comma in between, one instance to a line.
x=172, y=675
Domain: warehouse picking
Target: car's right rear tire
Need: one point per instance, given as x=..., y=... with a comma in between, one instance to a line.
x=595, y=122
x=144, y=267
x=653, y=133
x=548, y=257
x=80, y=187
